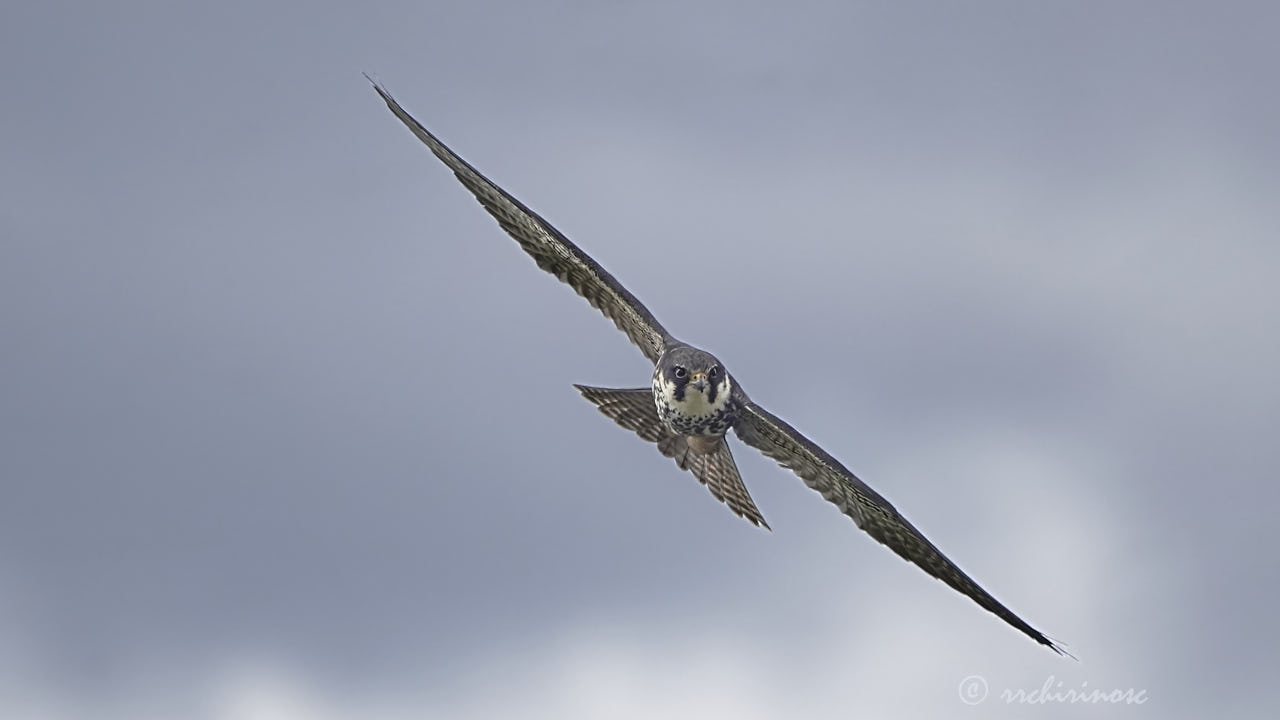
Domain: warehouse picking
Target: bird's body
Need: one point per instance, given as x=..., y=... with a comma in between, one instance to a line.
x=693, y=402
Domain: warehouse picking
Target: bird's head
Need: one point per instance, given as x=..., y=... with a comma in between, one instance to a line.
x=687, y=370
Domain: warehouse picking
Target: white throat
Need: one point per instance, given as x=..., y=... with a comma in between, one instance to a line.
x=695, y=403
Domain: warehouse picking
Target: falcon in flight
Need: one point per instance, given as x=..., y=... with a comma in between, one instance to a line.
x=692, y=401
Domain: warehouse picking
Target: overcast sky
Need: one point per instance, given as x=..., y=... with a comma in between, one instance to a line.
x=287, y=427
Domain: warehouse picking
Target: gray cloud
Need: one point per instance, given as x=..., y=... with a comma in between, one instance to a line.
x=287, y=426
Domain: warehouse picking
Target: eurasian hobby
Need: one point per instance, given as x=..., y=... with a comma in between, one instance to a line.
x=692, y=400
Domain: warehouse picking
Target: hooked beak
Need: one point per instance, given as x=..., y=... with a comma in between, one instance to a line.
x=699, y=382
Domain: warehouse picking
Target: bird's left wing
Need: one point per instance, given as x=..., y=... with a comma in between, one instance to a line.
x=549, y=248
x=767, y=433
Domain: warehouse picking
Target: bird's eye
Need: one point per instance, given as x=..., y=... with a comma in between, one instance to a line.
x=713, y=372
x=680, y=372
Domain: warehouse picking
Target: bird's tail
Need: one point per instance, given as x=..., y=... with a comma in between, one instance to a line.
x=634, y=410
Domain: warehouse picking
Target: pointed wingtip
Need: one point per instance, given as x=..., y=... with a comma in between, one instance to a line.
x=382, y=91
x=1054, y=645
x=1060, y=648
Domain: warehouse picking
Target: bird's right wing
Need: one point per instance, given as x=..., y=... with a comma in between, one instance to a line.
x=550, y=249
x=767, y=433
